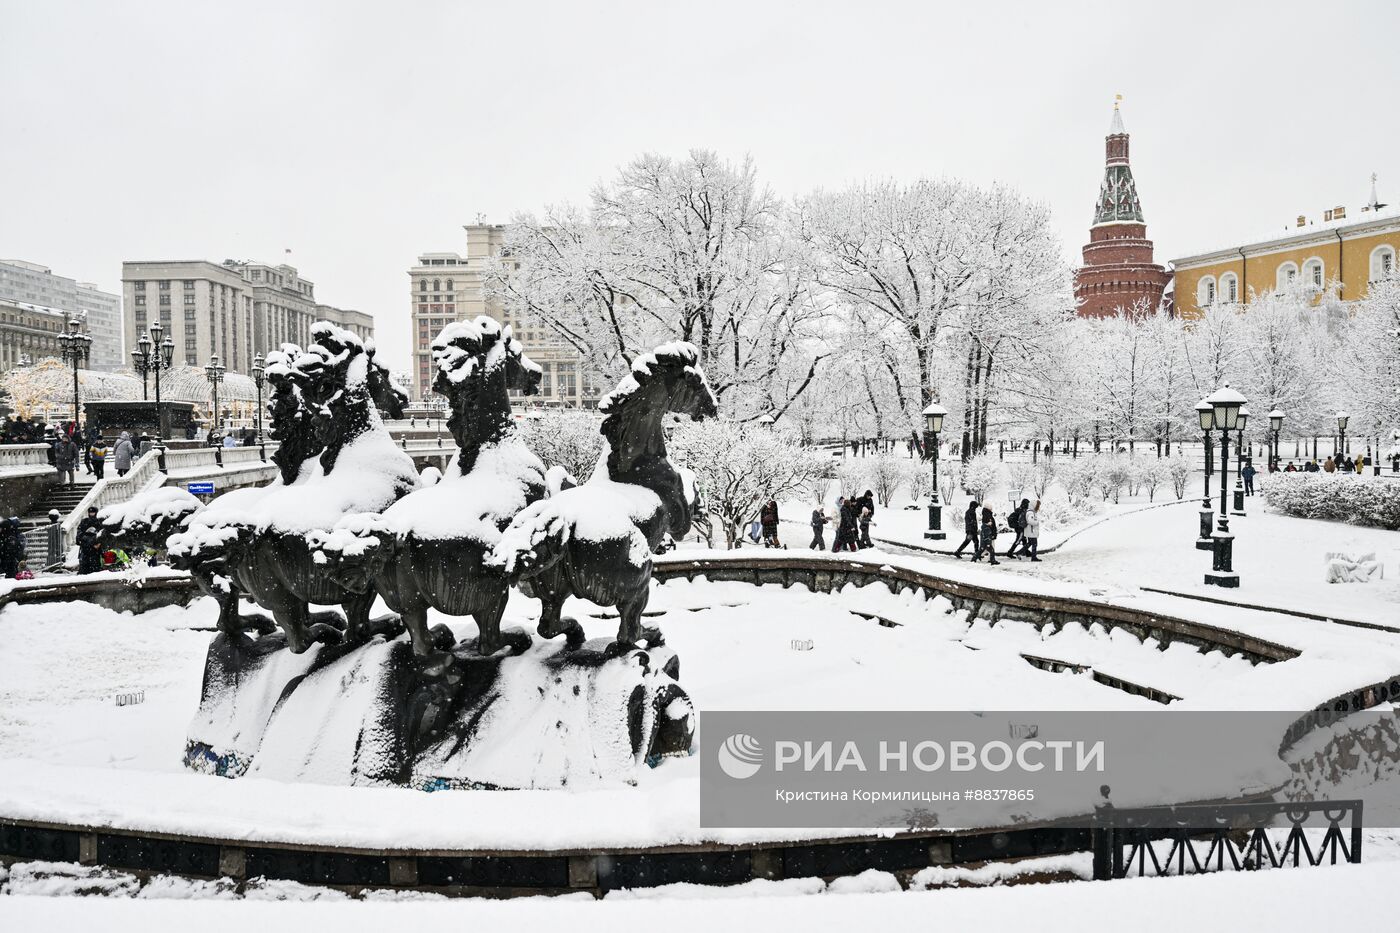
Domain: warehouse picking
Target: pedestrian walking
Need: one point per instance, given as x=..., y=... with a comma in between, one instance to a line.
x=89, y=544
x=122, y=454
x=847, y=531
x=98, y=454
x=867, y=512
x=818, y=530
x=1017, y=521
x=1032, y=546
x=768, y=518
x=988, y=538
x=969, y=529
x=1248, y=473
x=65, y=459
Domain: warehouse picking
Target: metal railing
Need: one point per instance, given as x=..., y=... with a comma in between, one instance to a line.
x=1225, y=837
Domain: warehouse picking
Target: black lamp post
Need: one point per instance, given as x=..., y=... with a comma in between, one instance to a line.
x=1342, y=418
x=1276, y=424
x=75, y=349
x=1205, y=413
x=259, y=373
x=933, y=426
x=1239, y=461
x=153, y=355
x=1227, y=405
x=214, y=372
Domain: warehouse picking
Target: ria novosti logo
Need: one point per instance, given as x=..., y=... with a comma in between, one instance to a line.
x=740, y=756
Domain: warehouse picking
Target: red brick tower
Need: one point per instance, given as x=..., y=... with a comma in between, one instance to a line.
x=1118, y=270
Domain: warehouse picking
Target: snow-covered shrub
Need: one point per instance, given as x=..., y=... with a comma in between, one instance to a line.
x=1058, y=510
x=1112, y=474
x=570, y=439
x=886, y=474
x=1079, y=477
x=949, y=479
x=1149, y=473
x=1042, y=475
x=739, y=467
x=1179, y=470
x=980, y=476
x=1018, y=476
x=921, y=479
x=852, y=476
x=1338, y=498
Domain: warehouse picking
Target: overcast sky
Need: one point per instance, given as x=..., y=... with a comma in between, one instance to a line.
x=359, y=135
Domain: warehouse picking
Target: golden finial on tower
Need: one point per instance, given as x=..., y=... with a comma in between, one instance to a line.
x=1117, y=99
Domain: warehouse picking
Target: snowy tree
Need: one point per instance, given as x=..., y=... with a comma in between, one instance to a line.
x=980, y=476
x=739, y=467
x=571, y=439
x=690, y=249
x=887, y=473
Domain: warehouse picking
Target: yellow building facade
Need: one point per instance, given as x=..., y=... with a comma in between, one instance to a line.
x=1350, y=252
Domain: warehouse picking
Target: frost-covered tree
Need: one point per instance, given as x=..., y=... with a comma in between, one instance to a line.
x=571, y=439
x=738, y=467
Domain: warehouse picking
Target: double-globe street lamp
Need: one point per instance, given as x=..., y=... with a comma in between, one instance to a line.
x=75, y=348
x=152, y=356
x=1225, y=407
x=214, y=372
x=1239, y=461
x=933, y=426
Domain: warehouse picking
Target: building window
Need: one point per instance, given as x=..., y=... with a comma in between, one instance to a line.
x=1312, y=273
x=449, y=285
x=1230, y=287
x=140, y=286
x=165, y=286
x=1205, y=291
x=423, y=285
x=165, y=300
x=140, y=301
x=437, y=285
x=1287, y=274
x=1382, y=262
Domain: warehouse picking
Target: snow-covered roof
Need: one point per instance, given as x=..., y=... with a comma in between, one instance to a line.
x=1289, y=236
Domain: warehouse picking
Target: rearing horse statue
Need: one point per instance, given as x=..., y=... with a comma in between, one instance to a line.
x=428, y=550
x=595, y=541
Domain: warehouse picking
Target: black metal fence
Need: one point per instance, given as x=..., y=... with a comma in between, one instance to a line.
x=1196, y=839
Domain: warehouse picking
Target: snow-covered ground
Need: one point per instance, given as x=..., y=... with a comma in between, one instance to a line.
x=1302, y=899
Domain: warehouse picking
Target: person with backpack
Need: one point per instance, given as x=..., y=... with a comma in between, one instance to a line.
x=818, y=530
x=1032, y=533
x=969, y=529
x=1017, y=521
x=988, y=538
x=98, y=454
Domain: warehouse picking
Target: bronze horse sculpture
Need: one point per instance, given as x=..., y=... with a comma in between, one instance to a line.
x=265, y=541
x=595, y=541
x=428, y=550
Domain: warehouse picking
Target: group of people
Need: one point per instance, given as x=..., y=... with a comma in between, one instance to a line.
x=19, y=430
x=980, y=530
x=852, y=516
x=1339, y=463
x=88, y=447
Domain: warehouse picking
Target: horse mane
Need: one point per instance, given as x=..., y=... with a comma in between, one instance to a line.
x=619, y=404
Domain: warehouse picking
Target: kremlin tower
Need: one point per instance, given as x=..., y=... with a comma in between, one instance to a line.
x=1118, y=271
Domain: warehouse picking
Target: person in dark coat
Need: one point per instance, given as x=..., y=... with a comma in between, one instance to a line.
x=846, y=529
x=818, y=530
x=89, y=547
x=866, y=511
x=1017, y=521
x=65, y=459
x=97, y=453
x=768, y=518
x=1248, y=473
x=11, y=547
x=969, y=529
x=988, y=541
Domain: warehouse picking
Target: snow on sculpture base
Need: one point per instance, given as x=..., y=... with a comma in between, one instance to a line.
x=377, y=714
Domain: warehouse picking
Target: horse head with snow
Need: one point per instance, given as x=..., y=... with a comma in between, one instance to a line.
x=428, y=549
x=265, y=541
x=595, y=541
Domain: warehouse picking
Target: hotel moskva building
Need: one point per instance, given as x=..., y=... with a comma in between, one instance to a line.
x=1350, y=250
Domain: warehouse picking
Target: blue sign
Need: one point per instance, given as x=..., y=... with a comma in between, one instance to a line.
x=200, y=489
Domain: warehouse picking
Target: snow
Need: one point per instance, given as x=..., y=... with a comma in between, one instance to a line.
x=1301, y=899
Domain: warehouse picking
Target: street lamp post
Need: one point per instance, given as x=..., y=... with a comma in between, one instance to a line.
x=933, y=426
x=1342, y=418
x=1239, y=461
x=1227, y=405
x=141, y=362
x=259, y=373
x=1205, y=413
x=75, y=348
x=214, y=372
x=153, y=355
x=1276, y=423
